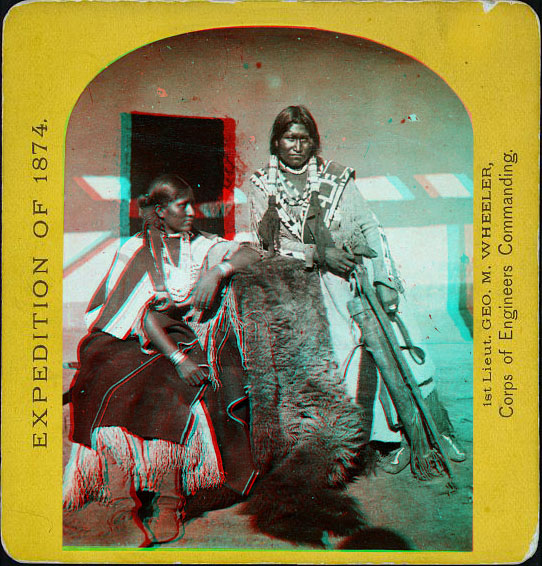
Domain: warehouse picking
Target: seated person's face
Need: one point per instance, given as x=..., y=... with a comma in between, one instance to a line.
x=295, y=146
x=178, y=215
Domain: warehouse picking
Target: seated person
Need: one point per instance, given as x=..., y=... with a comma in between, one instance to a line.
x=151, y=396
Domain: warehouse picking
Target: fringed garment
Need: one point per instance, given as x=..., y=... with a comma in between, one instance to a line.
x=128, y=400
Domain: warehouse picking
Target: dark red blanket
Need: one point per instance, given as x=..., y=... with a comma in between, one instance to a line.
x=118, y=385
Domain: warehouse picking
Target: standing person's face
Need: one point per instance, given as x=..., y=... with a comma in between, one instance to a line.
x=178, y=215
x=295, y=146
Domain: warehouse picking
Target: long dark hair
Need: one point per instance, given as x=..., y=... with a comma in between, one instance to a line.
x=294, y=115
x=163, y=190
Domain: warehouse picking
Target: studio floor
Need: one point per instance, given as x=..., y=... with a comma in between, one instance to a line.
x=424, y=515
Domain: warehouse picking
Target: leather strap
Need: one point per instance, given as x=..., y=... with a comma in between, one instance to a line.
x=416, y=353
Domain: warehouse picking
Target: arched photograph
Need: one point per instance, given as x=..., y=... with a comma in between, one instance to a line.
x=267, y=305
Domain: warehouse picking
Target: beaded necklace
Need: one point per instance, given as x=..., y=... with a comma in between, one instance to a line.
x=179, y=279
x=288, y=192
x=300, y=171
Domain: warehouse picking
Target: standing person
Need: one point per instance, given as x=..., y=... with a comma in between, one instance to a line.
x=159, y=402
x=295, y=180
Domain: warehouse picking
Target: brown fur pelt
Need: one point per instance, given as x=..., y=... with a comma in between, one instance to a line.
x=307, y=434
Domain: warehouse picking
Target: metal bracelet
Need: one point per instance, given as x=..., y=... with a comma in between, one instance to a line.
x=177, y=357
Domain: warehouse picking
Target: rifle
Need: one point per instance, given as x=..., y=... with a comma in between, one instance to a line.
x=428, y=458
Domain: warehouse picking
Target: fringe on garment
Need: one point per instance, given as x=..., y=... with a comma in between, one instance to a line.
x=84, y=478
x=144, y=462
x=425, y=462
x=201, y=468
x=211, y=334
x=427, y=466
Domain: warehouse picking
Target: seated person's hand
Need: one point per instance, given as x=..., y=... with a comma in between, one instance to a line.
x=206, y=288
x=388, y=297
x=191, y=373
x=339, y=261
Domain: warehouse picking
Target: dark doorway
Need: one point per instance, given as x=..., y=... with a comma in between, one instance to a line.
x=193, y=148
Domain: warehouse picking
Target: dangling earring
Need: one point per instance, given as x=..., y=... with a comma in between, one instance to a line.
x=158, y=221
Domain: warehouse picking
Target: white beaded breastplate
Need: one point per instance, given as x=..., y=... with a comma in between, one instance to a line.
x=180, y=279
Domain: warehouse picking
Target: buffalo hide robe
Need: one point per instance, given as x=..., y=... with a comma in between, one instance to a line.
x=307, y=434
